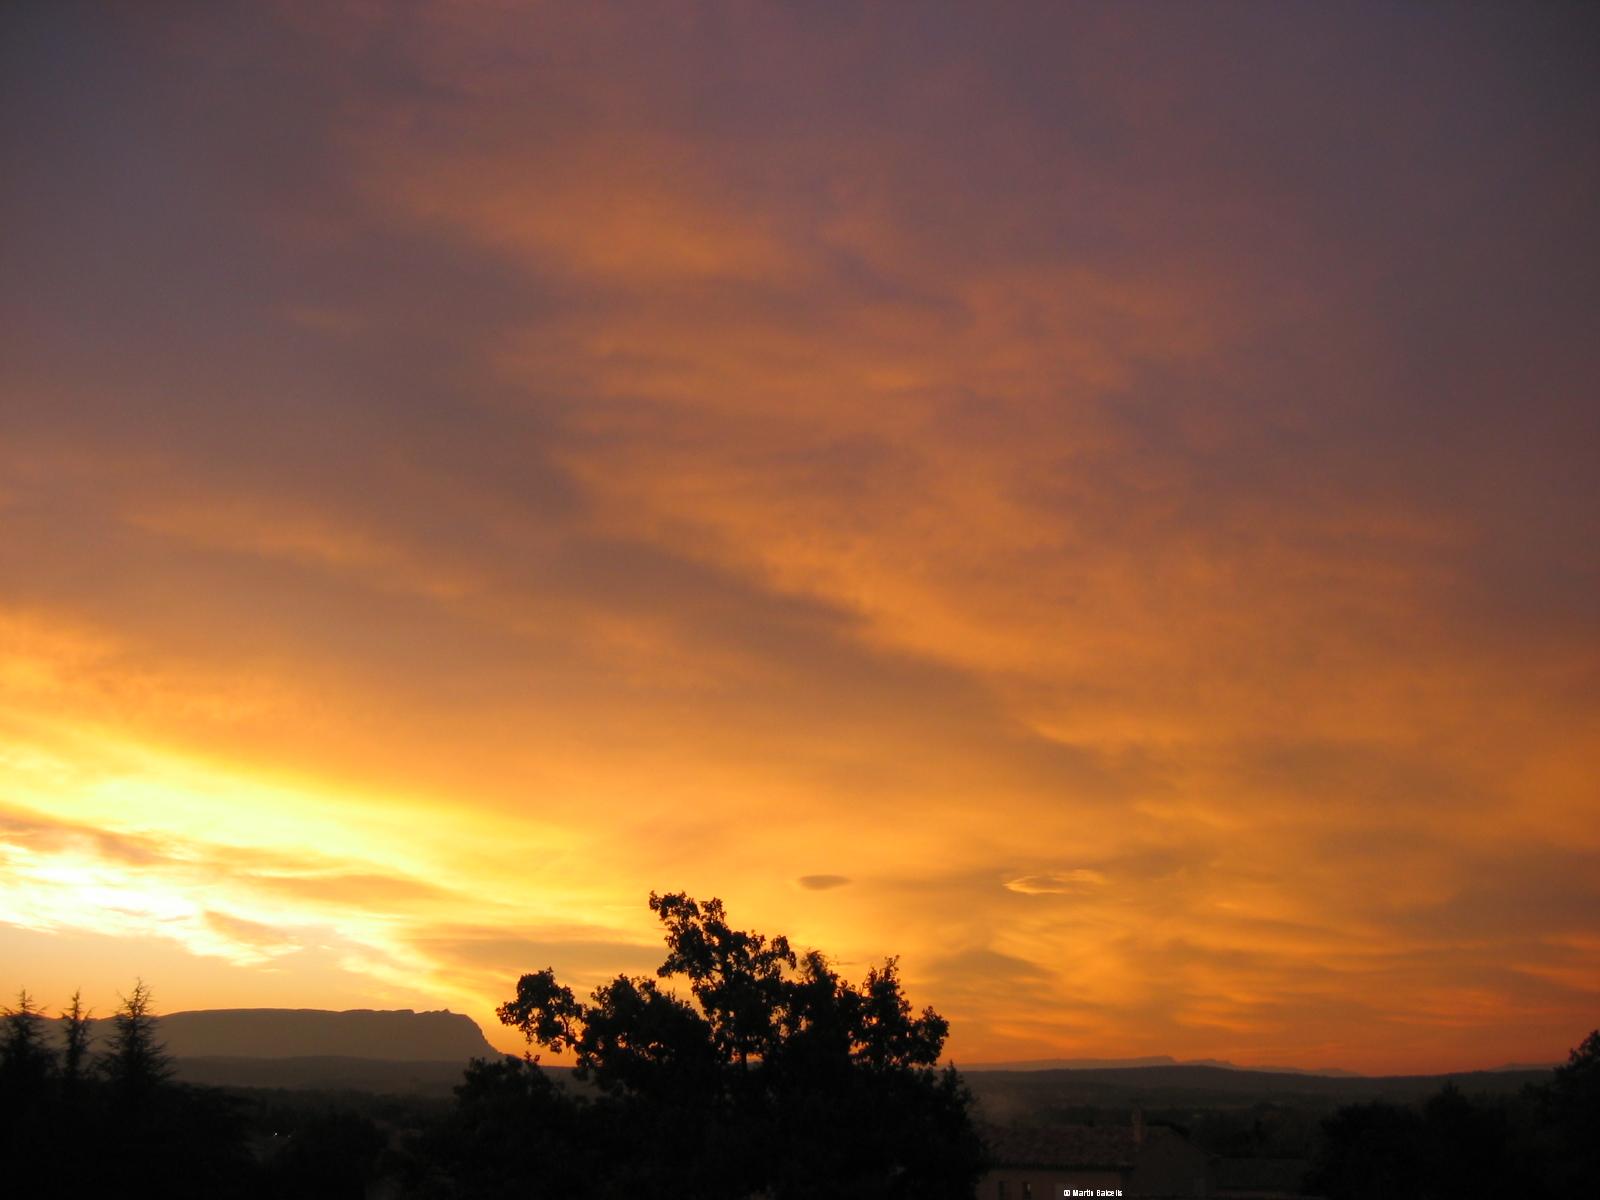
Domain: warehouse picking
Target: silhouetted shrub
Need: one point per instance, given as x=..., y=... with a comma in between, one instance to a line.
x=773, y=1077
x=1544, y=1145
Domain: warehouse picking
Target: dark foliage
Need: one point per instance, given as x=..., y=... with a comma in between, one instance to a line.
x=513, y=1133
x=773, y=1076
x=1266, y=1129
x=70, y=1127
x=26, y=1061
x=327, y=1155
x=1543, y=1145
x=1569, y=1123
x=74, y=1024
x=1371, y=1150
x=136, y=1065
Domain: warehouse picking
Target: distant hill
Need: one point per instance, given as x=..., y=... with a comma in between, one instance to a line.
x=424, y=1053
x=1154, y=1060
x=331, y=1073
x=326, y=1073
x=1010, y=1095
x=396, y=1035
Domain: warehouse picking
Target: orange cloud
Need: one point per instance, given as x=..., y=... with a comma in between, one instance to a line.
x=936, y=493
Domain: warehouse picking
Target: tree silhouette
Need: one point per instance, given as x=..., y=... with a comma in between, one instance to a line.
x=327, y=1156
x=74, y=1022
x=514, y=1134
x=25, y=1057
x=1543, y=1145
x=136, y=1062
x=27, y=1069
x=773, y=1076
x=1370, y=1151
x=1570, y=1107
x=72, y=1125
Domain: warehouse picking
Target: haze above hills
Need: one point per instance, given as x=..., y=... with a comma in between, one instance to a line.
x=1153, y=1060
x=382, y=1049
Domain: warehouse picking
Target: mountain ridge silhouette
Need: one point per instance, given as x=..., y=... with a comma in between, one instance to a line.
x=1151, y=1060
x=397, y=1035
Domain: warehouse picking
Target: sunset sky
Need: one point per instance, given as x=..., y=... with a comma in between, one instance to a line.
x=1100, y=501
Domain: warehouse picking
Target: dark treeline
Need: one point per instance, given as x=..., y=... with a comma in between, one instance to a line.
x=77, y=1122
x=773, y=1077
x=1543, y=1144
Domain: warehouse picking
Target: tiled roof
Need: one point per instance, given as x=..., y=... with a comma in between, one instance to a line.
x=1107, y=1146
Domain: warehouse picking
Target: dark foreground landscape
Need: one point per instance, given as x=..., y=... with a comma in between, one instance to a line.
x=779, y=1080
x=260, y=1125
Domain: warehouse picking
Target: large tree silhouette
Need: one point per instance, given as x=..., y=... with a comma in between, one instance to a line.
x=772, y=1076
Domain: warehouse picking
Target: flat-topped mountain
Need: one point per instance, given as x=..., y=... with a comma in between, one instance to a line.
x=393, y=1034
